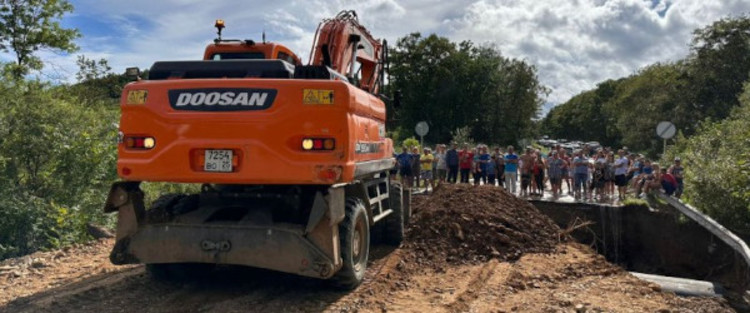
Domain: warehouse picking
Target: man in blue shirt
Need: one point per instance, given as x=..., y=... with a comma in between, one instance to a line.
x=511, y=170
x=451, y=158
x=484, y=160
x=404, y=160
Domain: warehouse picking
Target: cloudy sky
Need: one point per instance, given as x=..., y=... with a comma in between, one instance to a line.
x=573, y=43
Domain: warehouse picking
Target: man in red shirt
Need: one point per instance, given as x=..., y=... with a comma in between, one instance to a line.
x=465, y=160
x=668, y=182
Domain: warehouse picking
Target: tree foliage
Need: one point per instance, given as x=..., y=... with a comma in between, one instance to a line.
x=703, y=86
x=57, y=161
x=717, y=167
x=720, y=64
x=96, y=82
x=26, y=26
x=452, y=85
x=584, y=116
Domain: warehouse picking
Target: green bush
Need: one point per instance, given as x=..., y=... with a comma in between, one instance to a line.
x=462, y=137
x=57, y=161
x=152, y=191
x=717, y=167
x=410, y=143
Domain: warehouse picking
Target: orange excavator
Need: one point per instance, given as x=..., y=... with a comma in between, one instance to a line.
x=292, y=159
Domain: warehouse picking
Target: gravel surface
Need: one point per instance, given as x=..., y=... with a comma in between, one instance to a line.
x=469, y=249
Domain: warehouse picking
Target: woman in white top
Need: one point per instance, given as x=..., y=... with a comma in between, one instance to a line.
x=442, y=165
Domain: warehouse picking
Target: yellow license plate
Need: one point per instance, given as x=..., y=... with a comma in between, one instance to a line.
x=137, y=96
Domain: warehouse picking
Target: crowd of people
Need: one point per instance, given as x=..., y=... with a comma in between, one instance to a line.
x=588, y=174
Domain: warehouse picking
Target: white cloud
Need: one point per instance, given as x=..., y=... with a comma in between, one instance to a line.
x=574, y=44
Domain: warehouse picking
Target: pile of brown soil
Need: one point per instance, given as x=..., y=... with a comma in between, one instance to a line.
x=461, y=224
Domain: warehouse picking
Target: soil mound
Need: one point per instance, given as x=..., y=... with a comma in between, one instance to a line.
x=461, y=224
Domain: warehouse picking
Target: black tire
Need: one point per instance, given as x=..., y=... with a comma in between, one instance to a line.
x=179, y=272
x=394, y=223
x=354, y=232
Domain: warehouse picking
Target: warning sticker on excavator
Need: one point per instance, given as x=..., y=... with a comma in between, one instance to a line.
x=317, y=96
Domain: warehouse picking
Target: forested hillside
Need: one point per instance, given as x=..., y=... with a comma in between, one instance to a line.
x=703, y=86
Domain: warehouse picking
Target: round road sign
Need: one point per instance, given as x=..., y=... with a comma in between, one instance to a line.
x=422, y=128
x=666, y=130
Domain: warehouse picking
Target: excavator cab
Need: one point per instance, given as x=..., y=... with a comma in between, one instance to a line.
x=235, y=49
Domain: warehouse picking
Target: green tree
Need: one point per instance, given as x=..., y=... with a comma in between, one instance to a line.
x=719, y=64
x=453, y=85
x=717, y=167
x=583, y=117
x=27, y=26
x=57, y=160
x=641, y=102
x=96, y=82
x=89, y=69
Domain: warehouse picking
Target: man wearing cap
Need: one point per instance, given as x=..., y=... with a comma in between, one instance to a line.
x=677, y=171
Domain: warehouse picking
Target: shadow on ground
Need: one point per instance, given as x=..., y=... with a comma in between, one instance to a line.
x=226, y=289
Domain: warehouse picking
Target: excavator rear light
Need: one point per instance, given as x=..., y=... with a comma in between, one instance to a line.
x=307, y=144
x=139, y=142
x=318, y=144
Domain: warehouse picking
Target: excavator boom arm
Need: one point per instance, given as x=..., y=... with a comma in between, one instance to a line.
x=347, y=47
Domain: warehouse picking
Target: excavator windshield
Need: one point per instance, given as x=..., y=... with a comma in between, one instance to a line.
x=238, y=56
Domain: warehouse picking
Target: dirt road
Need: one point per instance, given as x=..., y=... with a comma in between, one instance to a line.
x=567, y=278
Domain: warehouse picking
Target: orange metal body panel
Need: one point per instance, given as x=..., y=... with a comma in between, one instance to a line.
x=270, y=50
x=267, y=142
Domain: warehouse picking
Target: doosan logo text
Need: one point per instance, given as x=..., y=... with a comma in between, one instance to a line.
x=223, y=99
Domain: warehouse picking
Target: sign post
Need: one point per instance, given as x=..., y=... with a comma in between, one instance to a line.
x=665, y=130
x=422, y=128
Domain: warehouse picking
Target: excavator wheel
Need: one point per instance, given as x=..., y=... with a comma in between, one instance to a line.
x=354, y=232
x=395, y=223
